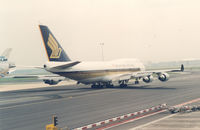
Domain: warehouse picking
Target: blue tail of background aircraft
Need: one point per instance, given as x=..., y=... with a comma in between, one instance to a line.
x=53, y=49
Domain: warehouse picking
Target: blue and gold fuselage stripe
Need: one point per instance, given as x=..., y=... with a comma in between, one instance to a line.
x=82, y=75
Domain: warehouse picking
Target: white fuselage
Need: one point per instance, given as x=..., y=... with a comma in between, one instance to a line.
x=4, y=68
x=103, y=71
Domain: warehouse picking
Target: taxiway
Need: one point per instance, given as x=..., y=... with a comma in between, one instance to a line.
x=80, y=105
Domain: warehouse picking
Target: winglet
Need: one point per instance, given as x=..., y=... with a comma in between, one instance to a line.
x=53, y=49
x=182, y=67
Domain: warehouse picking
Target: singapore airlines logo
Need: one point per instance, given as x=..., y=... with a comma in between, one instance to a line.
x=55, y=50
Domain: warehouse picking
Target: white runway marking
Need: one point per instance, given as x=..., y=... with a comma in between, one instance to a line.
x=189, y=102
x=141, y=126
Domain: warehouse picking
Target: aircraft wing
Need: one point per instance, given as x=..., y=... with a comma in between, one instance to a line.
x=47, y=79
x=147, y=76
x=121, y=77
x=11, y=70
x=158, y=72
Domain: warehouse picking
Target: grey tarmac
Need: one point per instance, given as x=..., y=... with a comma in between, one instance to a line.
x=79, y=105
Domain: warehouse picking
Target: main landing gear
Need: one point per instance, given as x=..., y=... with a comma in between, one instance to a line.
x=123, y=83
x=137, y=81
x=98, y=85
x=102, y=85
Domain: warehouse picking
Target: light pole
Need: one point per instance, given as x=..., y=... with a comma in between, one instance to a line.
x=102, y=44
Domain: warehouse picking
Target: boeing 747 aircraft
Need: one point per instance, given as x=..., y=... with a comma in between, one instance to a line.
x=5, y=65
x=99, y=74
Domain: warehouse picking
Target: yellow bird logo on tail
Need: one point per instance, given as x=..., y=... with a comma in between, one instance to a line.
x=56, y=51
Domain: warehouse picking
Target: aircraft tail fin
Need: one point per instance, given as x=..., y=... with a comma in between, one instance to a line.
x=53, y=49
x=6, y=53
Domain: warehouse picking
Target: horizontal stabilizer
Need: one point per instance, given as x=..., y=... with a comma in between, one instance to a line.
x=67, y=65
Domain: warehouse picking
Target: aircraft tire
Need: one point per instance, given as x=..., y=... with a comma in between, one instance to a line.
x=109, y=86
x=136, y=82
x=123, y=85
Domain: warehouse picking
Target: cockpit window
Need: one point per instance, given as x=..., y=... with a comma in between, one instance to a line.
x=3, y=59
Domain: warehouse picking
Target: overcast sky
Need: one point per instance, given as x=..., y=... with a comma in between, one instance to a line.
x=150, y=30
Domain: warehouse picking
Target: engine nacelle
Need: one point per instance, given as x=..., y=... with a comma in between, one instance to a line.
x=2, y=75
x=51, y=81
x=148, y=79
x=163, y=77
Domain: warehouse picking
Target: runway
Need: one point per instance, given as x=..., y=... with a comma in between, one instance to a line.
x=80, y=105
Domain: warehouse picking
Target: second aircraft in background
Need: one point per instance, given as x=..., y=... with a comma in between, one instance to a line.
x=5, y=65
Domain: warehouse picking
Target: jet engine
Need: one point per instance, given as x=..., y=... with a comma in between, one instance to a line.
x=148, y=79
x=163, y=77
x=2, y=75
x=51, y=81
